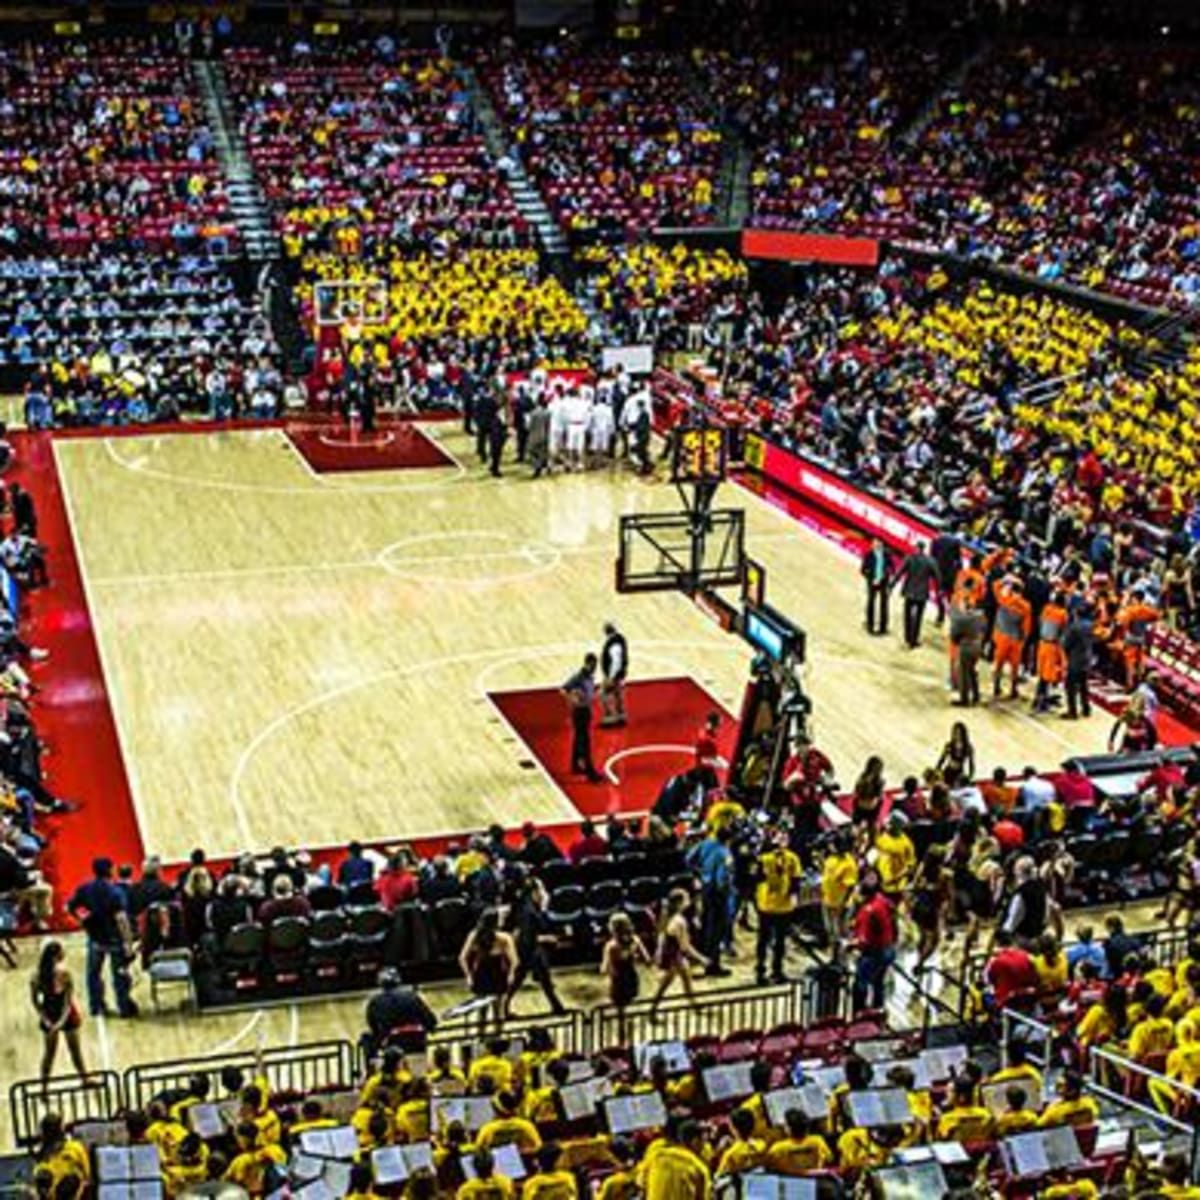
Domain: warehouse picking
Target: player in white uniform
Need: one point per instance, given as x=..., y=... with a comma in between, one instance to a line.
x=601, y=430
x=558, y=408
x=579, y=417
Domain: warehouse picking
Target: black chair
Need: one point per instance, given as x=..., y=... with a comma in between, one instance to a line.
x=326, y=897
x=369, y=928
x=595, y=870
x=411, y=939
x=556, y=874
x=361, y=895
x=327, y=944
x=564, y=909
x=642, y=894
x=632, y=866
x=242, y=955
x=287, y=949
x=451, y=919
x=603, y=899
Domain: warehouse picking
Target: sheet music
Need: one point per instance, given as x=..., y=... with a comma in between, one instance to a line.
x=579, y=1069
x=917, y=1181
x=394, y=1164
x=632, y=1114
x=876, y=1107
x=205, y=1121
x=757, y=1186
x=826, y=1078
x=811, y=1099
x=302, y=1168
x=878, y=1050
x=675, y=1054
x=336, y=1178
x=579, y=1100
x=943, y=1061
x=338, y=1143
x=473, y=1111
x=507, y=1159
x=1026, y=1154
x=728, y=1082
x=1062, y=1147
x=113, y=1164
x=144, y=1162
x=146, y=1189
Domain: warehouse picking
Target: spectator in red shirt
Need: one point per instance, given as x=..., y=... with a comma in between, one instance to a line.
x=1074, y=788
x=398, y=883
x=589, y=844
x=1009, y=834
x=1164, y=777
x=875, y=939
x=1010, y=970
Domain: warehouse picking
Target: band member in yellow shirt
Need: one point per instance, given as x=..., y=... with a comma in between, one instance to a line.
x=779, y=873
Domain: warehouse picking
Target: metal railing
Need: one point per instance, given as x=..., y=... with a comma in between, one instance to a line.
x=677, y=1018
x=1114, y=1078
x=99, y=1098
x=297, y=1069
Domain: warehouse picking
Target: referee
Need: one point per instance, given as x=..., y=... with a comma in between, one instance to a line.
x=580, y=693
x=614, y=667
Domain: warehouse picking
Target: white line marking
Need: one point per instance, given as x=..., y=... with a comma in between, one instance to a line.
x=329, y=484
x=653, y=748
x=105, y=1047
x=241, y=1035
x=293, y=1025
x=356, y=444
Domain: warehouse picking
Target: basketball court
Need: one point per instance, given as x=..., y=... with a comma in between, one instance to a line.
x=304, y=656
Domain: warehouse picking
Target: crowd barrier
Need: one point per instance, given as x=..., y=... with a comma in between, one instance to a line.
x=333, y=1065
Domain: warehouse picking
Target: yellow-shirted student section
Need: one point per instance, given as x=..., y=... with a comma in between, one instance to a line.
x=474, y=293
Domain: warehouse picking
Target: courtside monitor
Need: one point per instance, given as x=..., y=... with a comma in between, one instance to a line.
x=771, y=633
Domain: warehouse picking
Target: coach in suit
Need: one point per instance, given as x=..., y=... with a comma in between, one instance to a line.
x=876, y=572
x=917, y=573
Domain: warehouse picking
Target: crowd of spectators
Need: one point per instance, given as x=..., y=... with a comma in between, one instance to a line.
x=618, y=143
x=363, y=145
x=1068, y=161
x=104, y=142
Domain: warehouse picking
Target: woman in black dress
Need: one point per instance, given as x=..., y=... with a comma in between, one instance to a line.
x=53, y=994
x=488, y=961
x=623, y=954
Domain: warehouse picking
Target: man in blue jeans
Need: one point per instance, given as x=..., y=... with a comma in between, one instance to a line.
x=105, y=919
x=875, y=938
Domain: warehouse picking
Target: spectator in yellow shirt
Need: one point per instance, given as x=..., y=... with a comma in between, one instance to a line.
x=1019, y=1067
x=189, y=1168
x=779, y=872
x=507, y=1127
x=964, y=1120
x=745, y=1152
x=493, y=1065
x=487, y=1184
x=1016, y=1117
x=801, y=1151
x=1153, y=1036
x=839, y=878
x=675, y=1170
x=256, y=1167
x=896, y=858
x=61, y=1155
x=550, y=1182
x=1073, y=1107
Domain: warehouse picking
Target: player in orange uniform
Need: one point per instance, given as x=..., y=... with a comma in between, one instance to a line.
x=1051, y=660
x=1014, y=619
x=1134, y=619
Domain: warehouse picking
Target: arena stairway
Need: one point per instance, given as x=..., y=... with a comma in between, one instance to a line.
x=252, y=213
x=529, y=202
x=1173, y=338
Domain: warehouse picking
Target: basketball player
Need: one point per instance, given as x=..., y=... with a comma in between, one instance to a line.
x=580, y=692
x=614, y=667
x=579, y=417
x=557, y=409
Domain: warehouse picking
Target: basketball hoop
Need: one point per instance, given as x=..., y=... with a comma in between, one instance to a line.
x=338, y=302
